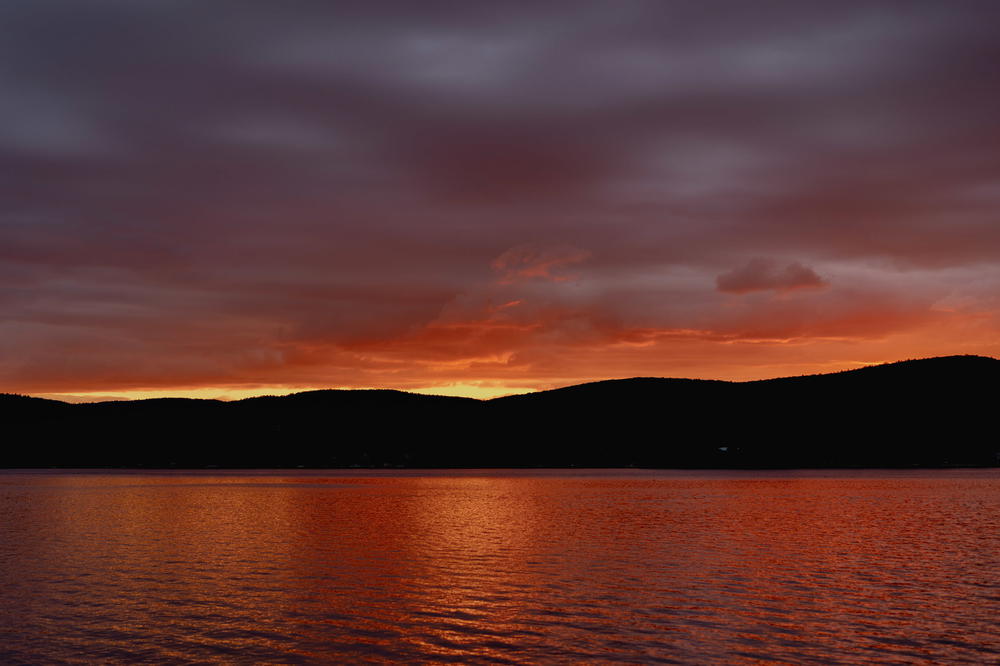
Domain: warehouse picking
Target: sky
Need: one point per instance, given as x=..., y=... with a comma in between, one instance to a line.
x=481, y=198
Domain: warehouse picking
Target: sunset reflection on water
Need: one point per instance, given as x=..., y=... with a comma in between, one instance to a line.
x=500, y=566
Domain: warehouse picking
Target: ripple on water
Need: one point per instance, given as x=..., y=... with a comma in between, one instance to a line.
x=501, y=568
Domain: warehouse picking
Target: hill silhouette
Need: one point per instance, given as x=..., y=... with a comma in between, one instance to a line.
x=930, y=413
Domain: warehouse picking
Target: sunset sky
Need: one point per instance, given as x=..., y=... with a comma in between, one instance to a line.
x=233, y=198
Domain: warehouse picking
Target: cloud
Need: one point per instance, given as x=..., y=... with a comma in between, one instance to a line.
x=240, y=193
x=765, y=274
x=537, y=262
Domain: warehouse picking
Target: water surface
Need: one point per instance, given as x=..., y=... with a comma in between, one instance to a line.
x=607, y=566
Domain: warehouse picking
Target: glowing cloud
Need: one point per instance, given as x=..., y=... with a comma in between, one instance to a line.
x=538, y=262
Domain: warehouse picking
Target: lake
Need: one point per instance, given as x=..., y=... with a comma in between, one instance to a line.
x=500, y=567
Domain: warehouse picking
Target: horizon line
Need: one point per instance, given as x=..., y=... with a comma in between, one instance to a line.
x=225, y=394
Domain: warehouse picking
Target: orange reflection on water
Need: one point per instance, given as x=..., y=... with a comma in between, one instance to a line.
x=492, y=566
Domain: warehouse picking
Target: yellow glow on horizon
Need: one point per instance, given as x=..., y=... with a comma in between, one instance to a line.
x=480, y=392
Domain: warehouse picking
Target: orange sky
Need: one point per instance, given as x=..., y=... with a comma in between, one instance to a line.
x=421, y=365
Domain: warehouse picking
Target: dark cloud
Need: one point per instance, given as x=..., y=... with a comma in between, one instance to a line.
x=765, y=274
x=241, y=192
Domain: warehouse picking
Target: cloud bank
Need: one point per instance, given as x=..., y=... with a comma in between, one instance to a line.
x=346, y=194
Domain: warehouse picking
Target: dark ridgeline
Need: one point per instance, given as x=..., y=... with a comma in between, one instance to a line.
x=931, y=412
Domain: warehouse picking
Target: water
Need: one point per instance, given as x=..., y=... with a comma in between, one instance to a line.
x=501, y=567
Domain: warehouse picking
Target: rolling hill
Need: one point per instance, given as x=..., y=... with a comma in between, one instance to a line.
x=920, y=413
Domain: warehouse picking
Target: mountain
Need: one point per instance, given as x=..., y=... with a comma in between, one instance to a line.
x=930, y=412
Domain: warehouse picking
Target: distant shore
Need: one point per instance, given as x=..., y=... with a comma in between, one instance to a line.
x=929, y=413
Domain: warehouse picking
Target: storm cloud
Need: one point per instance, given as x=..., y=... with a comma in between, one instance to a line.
x=241, y=194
